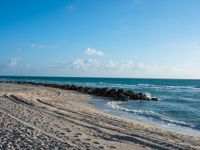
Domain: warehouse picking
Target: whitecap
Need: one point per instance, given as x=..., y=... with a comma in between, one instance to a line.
x=151, y=115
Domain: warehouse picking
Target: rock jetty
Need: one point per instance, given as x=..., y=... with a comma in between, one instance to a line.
x=117, y=94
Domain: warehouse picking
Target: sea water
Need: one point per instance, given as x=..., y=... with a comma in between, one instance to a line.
x=178, y=106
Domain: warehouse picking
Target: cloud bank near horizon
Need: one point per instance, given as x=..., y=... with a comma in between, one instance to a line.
x=93, y=63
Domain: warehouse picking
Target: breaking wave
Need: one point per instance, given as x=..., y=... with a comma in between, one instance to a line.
x=116, y=105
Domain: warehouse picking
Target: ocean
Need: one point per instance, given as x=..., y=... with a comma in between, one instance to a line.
x=178, y=107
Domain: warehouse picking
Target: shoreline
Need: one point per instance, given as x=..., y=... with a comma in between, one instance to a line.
x=69, y=120
x=171, y=127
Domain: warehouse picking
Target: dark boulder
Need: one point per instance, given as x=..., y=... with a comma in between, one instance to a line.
x=154, y=99
x=102, y=91
x=121, y=96
x=90, y=91
x=141, y=96
x=72, y=87
x=111, y=92
x=80, y=89
x=120, y=91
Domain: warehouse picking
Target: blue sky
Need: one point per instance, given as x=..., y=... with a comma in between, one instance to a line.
x=104, y=38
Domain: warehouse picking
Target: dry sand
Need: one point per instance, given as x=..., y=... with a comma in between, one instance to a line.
x=36, y=117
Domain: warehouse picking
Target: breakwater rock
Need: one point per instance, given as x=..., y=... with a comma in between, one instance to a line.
x=118, y=94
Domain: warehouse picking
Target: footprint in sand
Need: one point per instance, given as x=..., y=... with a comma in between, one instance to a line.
x=79, y=134
x=75, y=135
x=86, y=144
x=113, y=147
x=88, y=139
x=96, y=142
x=101, y=147
x=67, y=130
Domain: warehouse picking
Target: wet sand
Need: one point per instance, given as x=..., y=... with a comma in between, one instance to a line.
x=37, y=117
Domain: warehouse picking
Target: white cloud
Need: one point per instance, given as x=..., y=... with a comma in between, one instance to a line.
x=126, y=69
x=16, y=63
x=110, y=65
x=84, y=64
x=38, y=46
x=127, y=66
x=13, y=62
x=93, y=52
x=79, y=64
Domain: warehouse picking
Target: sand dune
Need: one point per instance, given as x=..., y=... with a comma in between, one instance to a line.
x=49, y=118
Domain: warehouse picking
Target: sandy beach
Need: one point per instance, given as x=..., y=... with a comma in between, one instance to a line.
x=37, y=117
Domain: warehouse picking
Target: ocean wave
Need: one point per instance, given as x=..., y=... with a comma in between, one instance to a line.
x=168, y=87
x=148, y=95
x=116, y=105
x=141, y=86
x=108, y=85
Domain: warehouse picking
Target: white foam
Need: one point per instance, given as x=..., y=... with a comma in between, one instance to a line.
x=148, y=95
x=163, y=122
x=116, y=106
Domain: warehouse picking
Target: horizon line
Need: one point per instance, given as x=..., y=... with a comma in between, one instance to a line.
x=51, y=76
